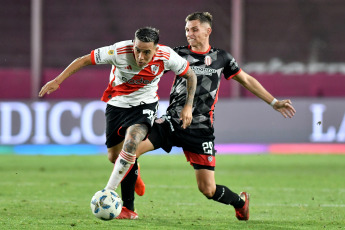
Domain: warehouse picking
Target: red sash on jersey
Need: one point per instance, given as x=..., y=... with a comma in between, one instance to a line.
x=138, y=81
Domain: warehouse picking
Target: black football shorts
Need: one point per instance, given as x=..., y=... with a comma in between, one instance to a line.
x=119, y=119
x=199, y=150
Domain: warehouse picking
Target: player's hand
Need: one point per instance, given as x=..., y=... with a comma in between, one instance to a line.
x=186, y=116
x=49, y=87
x=285, y=108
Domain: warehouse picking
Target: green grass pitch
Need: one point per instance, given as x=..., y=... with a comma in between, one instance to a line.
x=287, y=192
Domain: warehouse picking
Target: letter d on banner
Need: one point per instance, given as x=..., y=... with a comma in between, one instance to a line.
x=25, y=124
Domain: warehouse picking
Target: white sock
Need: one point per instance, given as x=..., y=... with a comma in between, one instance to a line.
x=122, y=164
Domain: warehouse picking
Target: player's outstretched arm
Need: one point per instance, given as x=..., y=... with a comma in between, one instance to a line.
x=186, y=113
x=74, y=67
x=284, y=106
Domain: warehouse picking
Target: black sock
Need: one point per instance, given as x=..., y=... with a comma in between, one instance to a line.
x=226, y=196
x=128, y=187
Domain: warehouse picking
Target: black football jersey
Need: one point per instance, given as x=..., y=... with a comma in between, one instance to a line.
x=208, y=67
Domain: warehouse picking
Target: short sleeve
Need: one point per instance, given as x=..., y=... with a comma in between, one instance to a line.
x=104, y=55
x=177, y=64
x=231, y=67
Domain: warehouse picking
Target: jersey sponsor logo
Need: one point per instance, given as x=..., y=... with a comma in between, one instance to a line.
x=137, y=81
x=131, y=85
x=154, y=69
x=111, y=52
x=208, y=60
x=203, y=71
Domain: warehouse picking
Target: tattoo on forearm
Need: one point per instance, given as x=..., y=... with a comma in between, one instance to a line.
x=74, y=71
x=191, y=86
x=135, y=134
x=76, y=65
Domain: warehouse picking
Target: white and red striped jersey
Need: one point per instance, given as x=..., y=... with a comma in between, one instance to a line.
x=129, y=84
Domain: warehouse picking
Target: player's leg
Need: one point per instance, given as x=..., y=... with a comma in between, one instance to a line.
x=133, y=177
x=200, y=153
x=130, y=184
x=144, y=146
x=157, y=138
x=134, y=135
x=160, y=137
x=114, y=122
x=113, y=152
x=130, y=125
x=128, y=200
x=127, y=184
x=144, y=115
x=139, y=188
x=128, y=187
x=205, y=178
x=127, y=194
x=206, y=182
x=158, y=133
x=133, y=182
x=207, y=186
x=220, y=193
x=123, y=164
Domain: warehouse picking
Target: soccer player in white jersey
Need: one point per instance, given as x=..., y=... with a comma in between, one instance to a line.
x=131, y=95
x=197, y=141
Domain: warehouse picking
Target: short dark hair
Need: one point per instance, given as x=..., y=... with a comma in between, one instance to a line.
x=203, y=17
x=147, y=34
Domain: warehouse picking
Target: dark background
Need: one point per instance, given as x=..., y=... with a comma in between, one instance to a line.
x=295, y=31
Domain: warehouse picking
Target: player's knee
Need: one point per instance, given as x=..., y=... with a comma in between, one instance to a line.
x=112, y=156
x=207, y=190
x=134, y=135
x=130, y=146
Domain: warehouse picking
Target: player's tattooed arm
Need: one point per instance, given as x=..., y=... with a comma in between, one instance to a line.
x=186, y=113
x=191, y=86
x=134, y=135
x=74, y=67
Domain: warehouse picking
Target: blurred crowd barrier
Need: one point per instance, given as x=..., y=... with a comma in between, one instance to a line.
x=295, y=48
x=90, y=83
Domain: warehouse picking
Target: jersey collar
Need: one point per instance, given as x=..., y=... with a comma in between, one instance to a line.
x=208, y=50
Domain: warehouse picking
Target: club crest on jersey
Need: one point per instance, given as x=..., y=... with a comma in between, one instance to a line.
x=154, y=69
x=111, y=52
x=208, y=60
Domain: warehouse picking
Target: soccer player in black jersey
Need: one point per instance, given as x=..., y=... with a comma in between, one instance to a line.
x=197, y=141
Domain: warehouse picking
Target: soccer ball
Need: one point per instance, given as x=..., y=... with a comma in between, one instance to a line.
x=106, y=204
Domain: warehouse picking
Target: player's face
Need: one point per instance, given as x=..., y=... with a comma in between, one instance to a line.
x=144, y=52
x=197, y=33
